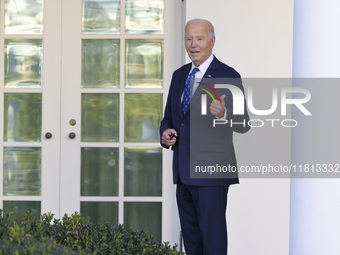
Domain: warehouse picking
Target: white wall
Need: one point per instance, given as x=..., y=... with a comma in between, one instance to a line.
x=256, y=38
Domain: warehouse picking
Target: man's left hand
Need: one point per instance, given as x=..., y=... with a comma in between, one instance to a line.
x=217, y=109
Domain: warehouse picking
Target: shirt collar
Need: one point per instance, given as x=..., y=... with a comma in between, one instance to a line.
x=203, y=67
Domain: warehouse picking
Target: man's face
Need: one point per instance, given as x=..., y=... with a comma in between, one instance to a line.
x=197, y=43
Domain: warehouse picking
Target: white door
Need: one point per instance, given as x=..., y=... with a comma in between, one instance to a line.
x=84, y=84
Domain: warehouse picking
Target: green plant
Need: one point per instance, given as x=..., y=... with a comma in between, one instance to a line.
x=73, y=234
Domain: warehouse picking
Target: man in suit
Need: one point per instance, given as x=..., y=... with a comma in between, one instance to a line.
x=199, y=145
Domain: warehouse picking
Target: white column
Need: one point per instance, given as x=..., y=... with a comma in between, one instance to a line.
x=315, y=203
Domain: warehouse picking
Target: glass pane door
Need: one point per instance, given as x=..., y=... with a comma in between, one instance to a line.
x=115, y=75
x=29, y=152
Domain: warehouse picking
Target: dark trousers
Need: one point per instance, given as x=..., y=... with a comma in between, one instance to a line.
x=202, y=215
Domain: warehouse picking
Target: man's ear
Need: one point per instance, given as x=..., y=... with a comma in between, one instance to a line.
x=212, y=42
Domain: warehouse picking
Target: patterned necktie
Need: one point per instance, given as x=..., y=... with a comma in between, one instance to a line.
x=186, y=93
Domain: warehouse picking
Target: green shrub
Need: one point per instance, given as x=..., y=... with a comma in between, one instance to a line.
x=73, y=235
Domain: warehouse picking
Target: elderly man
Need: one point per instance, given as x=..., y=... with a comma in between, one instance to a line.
x=202, y=199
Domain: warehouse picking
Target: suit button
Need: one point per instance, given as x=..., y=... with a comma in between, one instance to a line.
x=182, y=124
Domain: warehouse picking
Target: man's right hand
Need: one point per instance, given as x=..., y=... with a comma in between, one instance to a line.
x=166, y=137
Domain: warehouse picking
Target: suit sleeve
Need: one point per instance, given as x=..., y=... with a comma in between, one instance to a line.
x=167, y=121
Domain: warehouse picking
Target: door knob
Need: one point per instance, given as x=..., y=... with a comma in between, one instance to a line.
x=48, y=135
x=72, y=135
x=73, y=122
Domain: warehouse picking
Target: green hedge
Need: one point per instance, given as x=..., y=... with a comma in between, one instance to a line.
x=73, y=235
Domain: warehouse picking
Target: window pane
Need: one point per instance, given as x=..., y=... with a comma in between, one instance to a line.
x=24, y=16
x=143, y=113
x=100, y=63
x=22, y=120
x=101, y=16
x=144, y=63
x=143, y=172
x=144, y=16
x=22, y=171
x=145, y=216
x=19, y=208
x=100, y=117
x=23, y=63
x=100, y=212
x=99, y=171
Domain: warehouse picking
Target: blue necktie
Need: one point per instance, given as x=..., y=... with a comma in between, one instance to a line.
x=186, y=93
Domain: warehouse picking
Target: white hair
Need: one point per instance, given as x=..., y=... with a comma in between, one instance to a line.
x=202, y=21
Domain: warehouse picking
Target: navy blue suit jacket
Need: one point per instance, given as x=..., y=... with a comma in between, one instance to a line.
x=199, y=143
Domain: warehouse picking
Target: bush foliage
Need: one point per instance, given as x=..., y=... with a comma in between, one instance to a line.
x=73, y=234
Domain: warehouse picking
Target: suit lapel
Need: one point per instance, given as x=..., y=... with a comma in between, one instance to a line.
x=210, y=73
